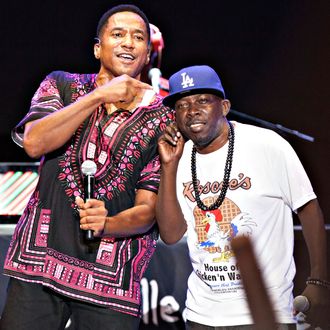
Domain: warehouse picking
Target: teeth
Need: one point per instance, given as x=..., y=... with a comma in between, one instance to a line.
x=127, y=56
x=195, y=125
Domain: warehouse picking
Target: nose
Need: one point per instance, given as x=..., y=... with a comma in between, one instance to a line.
x=193, y=109
x=128, y=41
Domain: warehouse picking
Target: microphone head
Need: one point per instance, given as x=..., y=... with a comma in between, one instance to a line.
x=154, y=73
x=88, y=167
x=301, y=304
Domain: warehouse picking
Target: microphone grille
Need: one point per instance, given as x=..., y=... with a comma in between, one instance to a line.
x=301, y=304
x=88, y=167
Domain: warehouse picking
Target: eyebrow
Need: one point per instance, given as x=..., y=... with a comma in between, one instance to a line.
x=124, y=29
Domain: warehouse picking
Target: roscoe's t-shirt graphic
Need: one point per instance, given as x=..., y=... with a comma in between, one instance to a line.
x=214, y=231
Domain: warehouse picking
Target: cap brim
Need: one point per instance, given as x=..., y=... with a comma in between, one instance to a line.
x=170, y=100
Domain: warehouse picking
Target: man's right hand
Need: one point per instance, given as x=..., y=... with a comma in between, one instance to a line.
x=170, y=145
x=123, y=91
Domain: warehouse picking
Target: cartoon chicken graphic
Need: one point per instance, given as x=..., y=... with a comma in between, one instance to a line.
x=216, y=228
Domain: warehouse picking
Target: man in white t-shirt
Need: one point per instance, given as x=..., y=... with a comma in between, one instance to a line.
x=221, y=179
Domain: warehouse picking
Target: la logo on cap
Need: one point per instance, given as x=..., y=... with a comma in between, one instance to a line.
x=186, y=80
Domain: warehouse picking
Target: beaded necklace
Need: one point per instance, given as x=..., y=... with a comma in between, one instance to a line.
x=225, y=181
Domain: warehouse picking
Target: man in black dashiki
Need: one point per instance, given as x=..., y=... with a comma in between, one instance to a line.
x=114, y=120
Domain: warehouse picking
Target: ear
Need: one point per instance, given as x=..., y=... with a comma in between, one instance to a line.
x=225, y=107
x=148, y=56
x=97, y=49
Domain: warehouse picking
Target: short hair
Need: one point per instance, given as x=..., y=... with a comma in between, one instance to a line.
x=118, y=9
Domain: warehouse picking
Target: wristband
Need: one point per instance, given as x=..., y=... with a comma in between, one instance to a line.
x=316, y=281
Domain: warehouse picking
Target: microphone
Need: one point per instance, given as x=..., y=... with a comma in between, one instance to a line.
x=154, y=75
x=301, y=304
x=88, y=169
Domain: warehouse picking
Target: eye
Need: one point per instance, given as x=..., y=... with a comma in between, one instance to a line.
x=181, y=106
x=139, y=37
x=117, y=34
x=203, y=100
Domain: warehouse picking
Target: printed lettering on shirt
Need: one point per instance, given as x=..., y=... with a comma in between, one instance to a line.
x=243, y=182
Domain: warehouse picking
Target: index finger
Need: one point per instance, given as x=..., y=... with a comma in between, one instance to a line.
x=172, y=130
x=79, y=202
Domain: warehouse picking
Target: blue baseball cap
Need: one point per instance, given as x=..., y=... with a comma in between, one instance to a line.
x=195, y=79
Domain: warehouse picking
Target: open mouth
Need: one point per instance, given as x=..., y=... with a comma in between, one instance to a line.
x=126, y=57
x=196, y=126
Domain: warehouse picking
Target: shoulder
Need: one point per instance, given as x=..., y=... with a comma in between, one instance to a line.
x=63, y=85
x=258, y=139
x=248, y=129
x=67, y=77
x=257, y=135
x=163, y=115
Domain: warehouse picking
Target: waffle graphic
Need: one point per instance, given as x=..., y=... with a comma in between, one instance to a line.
x=229, y=211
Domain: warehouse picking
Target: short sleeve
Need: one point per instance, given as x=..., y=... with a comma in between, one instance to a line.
x=150, y=176
x=46, y=100
x=291, y=176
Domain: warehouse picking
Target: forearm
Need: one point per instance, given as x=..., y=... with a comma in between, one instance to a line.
x=170, y=219
x=53, y=131
x=134, y=221
x=312, y=221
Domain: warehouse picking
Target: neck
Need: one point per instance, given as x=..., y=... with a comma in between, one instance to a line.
x=102, y=78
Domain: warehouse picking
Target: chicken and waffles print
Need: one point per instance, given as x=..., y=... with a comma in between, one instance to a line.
x=216, y=228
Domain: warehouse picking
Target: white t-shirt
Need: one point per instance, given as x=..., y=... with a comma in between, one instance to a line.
x=267, y=183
